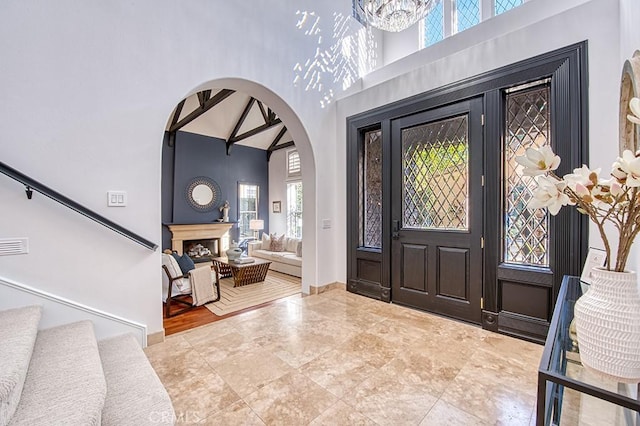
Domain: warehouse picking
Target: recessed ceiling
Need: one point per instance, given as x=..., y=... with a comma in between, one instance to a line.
x=235, y=117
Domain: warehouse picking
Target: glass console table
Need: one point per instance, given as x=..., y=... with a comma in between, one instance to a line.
x=569, y=393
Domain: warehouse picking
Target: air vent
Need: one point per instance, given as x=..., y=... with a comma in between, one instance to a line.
x=12, y=246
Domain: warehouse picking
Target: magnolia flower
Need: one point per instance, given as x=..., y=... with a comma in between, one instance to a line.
x=627, y=167
x=538, y=161
x=550, y=194
x=583, y=176
x=634, y=105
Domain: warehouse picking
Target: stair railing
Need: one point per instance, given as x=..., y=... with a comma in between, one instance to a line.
x=33, y=185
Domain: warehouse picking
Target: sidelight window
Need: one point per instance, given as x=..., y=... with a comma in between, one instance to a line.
x=370, y=172
x=527, y=124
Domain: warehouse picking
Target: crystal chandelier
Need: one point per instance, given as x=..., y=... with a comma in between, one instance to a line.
x=394, y=15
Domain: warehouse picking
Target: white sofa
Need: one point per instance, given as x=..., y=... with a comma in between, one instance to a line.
x=288, y=261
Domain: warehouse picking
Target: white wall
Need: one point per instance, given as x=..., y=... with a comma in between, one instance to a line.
x=87, y=89
x=534, y=32
x=278, y=191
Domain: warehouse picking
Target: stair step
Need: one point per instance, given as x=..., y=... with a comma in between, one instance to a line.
x=18, y=331
x=65, y=383
x=135, y=395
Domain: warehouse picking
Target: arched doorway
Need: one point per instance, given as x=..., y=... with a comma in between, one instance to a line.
x=278, y=126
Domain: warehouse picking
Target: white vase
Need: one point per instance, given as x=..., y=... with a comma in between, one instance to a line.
x=608, y=325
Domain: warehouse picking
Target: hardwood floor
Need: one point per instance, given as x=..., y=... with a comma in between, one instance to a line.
x=201, y=315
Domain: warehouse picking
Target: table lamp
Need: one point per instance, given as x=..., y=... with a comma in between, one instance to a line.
x=256, y=226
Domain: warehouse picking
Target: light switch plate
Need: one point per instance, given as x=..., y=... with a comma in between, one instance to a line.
x=116, y=198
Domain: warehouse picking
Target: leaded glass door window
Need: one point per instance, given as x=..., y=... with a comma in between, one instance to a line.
x=435, y=185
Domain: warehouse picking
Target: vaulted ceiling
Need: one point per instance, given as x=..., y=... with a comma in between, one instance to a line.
x=235, y=117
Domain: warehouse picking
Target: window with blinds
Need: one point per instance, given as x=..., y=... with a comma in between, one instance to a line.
x=293, y=164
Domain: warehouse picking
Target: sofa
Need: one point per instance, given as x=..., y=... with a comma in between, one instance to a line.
x=284, y=253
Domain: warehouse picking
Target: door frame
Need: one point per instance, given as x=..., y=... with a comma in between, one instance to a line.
x=568, y=67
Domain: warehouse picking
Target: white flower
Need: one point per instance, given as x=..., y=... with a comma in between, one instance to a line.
x=627, y=166
x=538, y=161
x=550, y=194
x=582, y=176
x=634, y=105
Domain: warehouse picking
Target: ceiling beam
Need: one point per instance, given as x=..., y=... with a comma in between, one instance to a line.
x=174, y=120
x=264, y=113
x=255, y=131
x=236, y=129
x=203, y=97
x=215, y=100
x=242, y=118
x=275, y=142
x=278, y=147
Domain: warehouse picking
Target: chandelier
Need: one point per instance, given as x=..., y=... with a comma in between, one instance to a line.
x=394, y=15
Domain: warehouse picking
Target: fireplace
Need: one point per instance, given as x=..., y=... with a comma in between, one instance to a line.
x=213, y=236
x=202, y=250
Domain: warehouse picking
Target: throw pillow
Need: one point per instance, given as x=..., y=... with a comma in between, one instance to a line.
x=185, y=262
x=299, y=249
x=266, y=242
x=277, y=243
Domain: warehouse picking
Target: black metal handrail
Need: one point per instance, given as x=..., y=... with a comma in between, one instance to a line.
x=34, y=185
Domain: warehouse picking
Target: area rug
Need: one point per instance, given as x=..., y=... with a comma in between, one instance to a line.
x=233, y=299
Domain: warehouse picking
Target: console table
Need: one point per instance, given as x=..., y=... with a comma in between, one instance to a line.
x=569, y=393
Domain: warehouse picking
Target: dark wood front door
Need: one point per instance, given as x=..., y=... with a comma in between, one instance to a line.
x=437, y=184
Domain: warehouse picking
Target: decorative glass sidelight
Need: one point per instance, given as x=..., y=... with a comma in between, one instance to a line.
x=435, y=164
x=527, y=124
x=370, y=176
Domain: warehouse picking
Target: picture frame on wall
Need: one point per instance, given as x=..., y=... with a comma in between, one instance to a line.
x=595, y=257
x=277, y=207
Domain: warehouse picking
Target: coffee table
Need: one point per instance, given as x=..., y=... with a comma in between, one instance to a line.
x=242, y=273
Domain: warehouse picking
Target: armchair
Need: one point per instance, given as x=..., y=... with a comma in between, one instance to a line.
x=177, y=287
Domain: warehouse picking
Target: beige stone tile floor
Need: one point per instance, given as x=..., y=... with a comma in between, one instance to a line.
x=342, y=359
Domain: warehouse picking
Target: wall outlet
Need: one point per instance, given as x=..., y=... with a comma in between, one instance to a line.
x=326, y=223
x=116, y=198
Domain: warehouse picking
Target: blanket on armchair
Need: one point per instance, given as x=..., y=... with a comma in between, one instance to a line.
x=201, y=280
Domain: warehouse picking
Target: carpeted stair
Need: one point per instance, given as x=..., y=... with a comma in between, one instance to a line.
x=62, y=375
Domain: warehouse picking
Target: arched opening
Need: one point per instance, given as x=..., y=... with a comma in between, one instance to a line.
x=255, y=121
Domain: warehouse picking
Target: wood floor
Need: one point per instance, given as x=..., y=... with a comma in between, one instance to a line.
x=200, y=315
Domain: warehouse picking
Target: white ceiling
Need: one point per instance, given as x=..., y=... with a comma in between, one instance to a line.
x=220, y=120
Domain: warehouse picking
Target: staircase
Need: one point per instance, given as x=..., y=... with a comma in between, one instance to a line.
x=62, y=375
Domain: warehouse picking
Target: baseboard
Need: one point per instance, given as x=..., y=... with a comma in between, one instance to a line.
x=59, y=310
x=332, y=286
x=155, y=338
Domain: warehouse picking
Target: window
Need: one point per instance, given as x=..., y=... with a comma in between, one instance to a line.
x=293, y=164
x=370, y=186
x=247, y=207
x=527, y=124
x=449, y=17
x=294, y=209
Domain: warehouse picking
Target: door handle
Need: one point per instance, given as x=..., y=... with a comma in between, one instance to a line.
x=396, y=230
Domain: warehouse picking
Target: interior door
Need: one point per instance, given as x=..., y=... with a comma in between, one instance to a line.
x=437, y=211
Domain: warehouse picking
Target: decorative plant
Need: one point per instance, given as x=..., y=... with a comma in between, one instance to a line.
x=615, y=200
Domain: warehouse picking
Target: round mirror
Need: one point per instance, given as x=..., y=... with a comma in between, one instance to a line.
x=203, y=194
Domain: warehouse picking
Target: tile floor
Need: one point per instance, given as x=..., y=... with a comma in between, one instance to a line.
x=342, y=359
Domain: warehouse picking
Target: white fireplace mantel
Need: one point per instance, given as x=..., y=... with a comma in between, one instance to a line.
x=200, y=231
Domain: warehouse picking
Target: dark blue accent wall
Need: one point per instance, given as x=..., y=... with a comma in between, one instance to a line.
x=197, y=155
